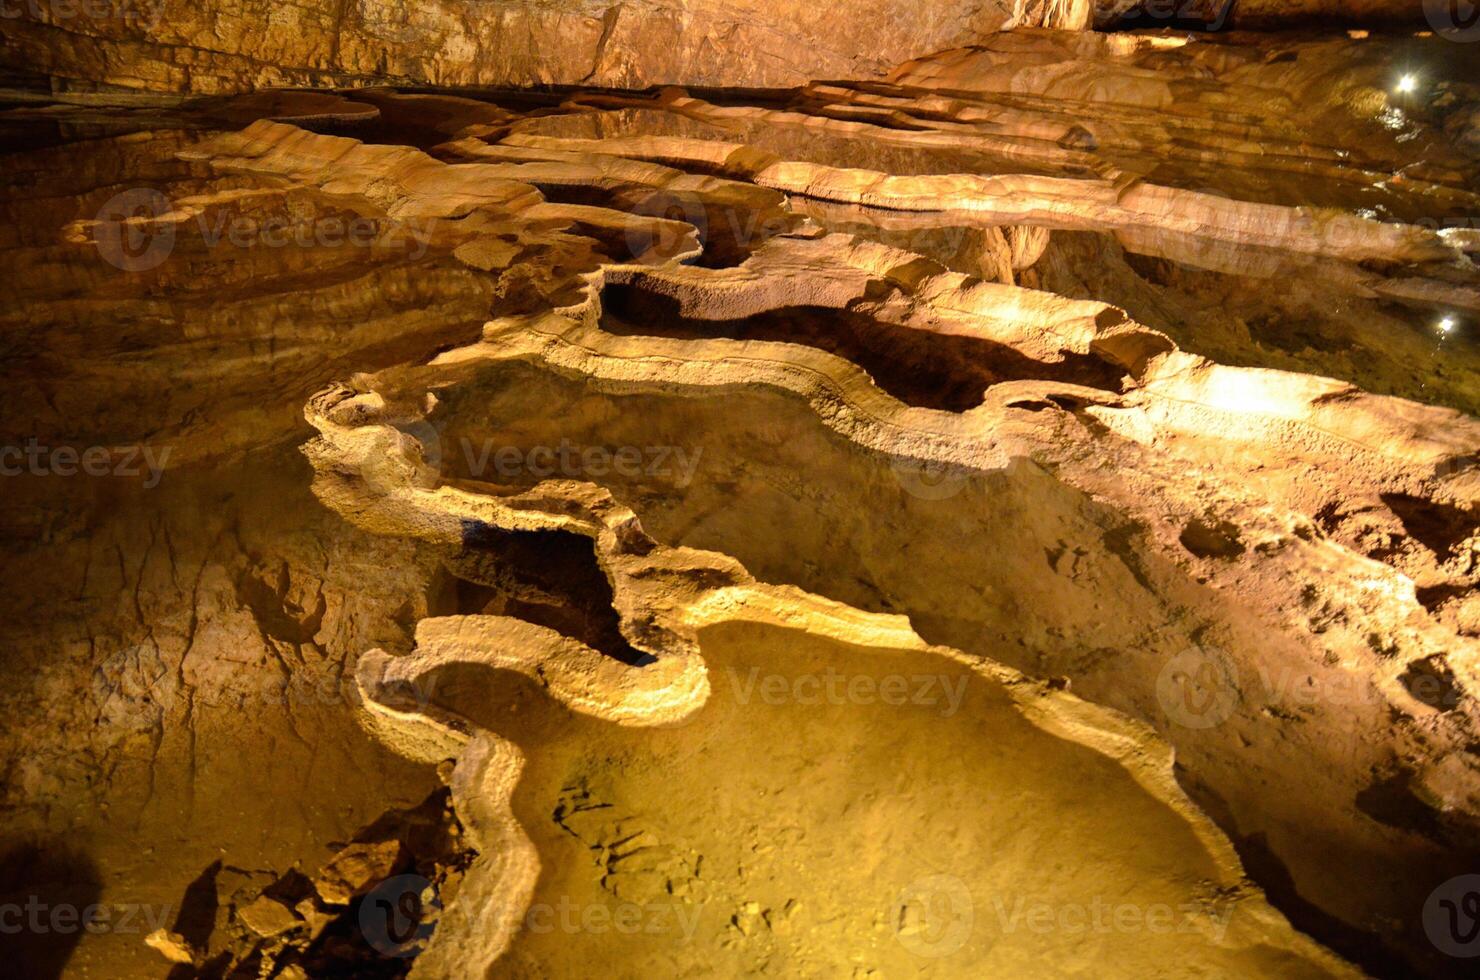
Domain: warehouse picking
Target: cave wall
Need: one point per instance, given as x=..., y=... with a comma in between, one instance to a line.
x=1277, y=14
x=216, y=46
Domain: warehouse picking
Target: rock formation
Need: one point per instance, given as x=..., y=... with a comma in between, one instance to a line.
x=1015, y=511
x=163, y=46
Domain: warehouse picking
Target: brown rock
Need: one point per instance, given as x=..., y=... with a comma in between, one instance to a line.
x=170, y=46
x=315, y=917
x=356, y=870
x=172, y=946
x=268, y=918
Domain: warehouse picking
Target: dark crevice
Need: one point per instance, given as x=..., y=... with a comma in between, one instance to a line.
x=1269, y=870
x=1216, y=539
x=1357, y=945
x=1204, y=16
x=550, y=578
x=922, y=369
x=1432, y=682
x=1433, y=596
x=729, y=232
x=1392, y=802
x=276, y=614
x=1438, y=527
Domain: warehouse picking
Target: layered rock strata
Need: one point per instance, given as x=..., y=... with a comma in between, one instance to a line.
x=950, y=379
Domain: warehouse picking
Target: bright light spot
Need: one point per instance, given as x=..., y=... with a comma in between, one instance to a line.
x=1446, y=324
x=1407, y=83
x=1392, y=117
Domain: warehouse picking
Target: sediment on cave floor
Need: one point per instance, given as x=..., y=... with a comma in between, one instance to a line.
x=745, y=490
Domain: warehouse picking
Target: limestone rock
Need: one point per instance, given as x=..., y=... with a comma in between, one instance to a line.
x=172, y=946
x=712, y=496
x=356, y=870
x=167, y=46
x=268, y=917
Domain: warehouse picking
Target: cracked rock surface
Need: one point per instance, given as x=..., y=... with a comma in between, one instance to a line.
x=165, y=46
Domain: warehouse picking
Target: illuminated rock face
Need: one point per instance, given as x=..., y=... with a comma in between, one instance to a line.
x=161, y=45
x=801, y=528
